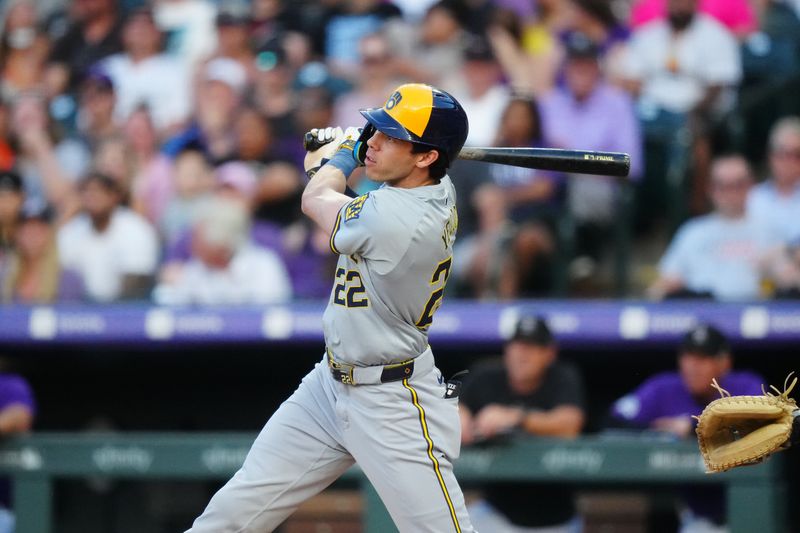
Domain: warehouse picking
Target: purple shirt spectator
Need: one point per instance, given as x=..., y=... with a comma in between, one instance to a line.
x=605, y=120
x=665, y=395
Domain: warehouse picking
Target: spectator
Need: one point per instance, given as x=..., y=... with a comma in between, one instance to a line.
x=737, y=15
x=483, y=96
x=683, y=71
x=718, y=254
x=143, y=75
x=93, y=35
x=49, y=163
x=225, y=268
x=272, y=93
x=23, y=49
x=378, y=76
x=113, y=158
x=33, y=274
x=510, y=255
x=590, y=114
x=192, y=181
x=776, y=202
x=189, y=26
x=12, y=197
x=595, y=19
x=667, y=402
x=96, y=109
x=264, y=151
x=17, y=411
x=233, y=36
x=218, y=100
x=348, y=24
x=432, y=50
x=535, y=393
x=151, y=184
x=113, y=249
x=6, y=152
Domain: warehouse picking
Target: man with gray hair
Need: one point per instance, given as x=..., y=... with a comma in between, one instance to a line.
x=226, y=268
x=776, y=202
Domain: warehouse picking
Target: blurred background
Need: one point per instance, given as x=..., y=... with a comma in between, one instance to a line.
x=157, y=274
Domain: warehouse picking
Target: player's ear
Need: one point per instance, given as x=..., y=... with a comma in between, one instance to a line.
x=428, y=158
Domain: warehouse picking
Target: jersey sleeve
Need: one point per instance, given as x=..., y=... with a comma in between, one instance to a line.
x=373, y=226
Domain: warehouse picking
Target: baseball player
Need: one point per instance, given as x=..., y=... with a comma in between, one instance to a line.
x=376, y=398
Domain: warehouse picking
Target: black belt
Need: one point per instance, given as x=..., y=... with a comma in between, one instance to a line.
x=349, y=374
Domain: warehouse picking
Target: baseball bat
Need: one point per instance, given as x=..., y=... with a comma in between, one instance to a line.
x=555, y=159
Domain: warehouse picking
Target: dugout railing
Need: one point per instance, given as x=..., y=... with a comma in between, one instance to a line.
x=756, y=495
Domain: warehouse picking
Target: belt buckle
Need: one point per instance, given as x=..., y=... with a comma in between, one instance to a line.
x=341, y=371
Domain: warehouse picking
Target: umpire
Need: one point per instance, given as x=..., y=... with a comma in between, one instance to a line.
x=529, y=391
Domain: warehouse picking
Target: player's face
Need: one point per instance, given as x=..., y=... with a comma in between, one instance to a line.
x=390, y=160
x=697, y=370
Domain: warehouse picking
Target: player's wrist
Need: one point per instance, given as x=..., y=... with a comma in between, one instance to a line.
x=344, y=160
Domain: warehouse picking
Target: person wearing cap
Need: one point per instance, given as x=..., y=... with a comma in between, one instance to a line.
x=97, y=101
x=233, y=36
x=112, y=248
x=482, y=91
x=529, y=392
x=668, y=401
x=143, y=74
x=33, y=274
x=586, y=112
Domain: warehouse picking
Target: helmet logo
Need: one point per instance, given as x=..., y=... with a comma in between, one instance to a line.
x=393, y=100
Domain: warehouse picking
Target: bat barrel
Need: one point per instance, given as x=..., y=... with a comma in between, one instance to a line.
x=569, y=161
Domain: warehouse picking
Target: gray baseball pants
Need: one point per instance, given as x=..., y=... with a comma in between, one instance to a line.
x=404, y=436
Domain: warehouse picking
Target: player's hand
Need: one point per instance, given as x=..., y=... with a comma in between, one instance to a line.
x=329, y=142
x=322, y=142
x=494, y=419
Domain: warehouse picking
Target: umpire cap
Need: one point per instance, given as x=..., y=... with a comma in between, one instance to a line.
x=422, y=115
x=705, y=339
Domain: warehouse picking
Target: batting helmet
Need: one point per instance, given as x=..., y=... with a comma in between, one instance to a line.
x=422, y=115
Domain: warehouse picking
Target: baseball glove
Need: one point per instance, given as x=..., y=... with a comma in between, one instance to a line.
x=744, y=430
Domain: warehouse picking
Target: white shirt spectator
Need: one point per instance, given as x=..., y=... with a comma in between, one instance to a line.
x=676, y=71
x=191, y=29
x=254, y=276
x=128, y=246
x=780, y=214
x=484, y=114
x=160, y=82
x=719, y=255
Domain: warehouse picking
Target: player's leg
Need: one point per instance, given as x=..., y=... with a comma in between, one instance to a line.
x=404, y=435
x=294, y=457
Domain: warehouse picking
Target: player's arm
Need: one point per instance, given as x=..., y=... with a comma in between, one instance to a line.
x=324, y=196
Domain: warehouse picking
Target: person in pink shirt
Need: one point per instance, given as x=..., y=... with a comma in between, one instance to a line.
x=737, y=15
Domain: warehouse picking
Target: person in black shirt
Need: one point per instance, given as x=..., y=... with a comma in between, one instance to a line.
x=529, y=391
x=93, y=35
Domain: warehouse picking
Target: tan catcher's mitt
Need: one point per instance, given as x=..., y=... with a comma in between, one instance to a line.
x=744, y=430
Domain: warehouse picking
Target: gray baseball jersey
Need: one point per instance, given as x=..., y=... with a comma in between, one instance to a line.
x=395, y=249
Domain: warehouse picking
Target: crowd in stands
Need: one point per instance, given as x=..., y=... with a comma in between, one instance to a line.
x=152, y=150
